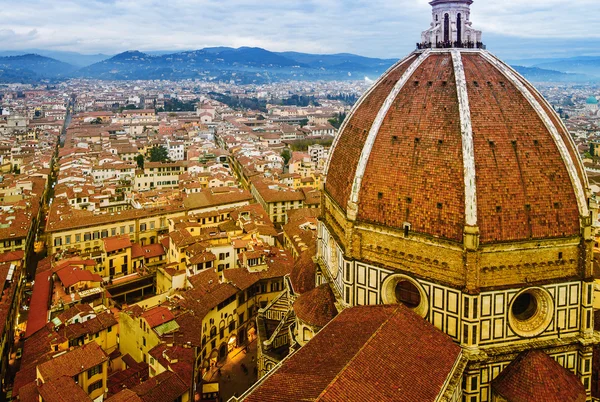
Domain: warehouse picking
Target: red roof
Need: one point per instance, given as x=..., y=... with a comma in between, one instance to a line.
x=147, y=251
x=304, y=272
x=38, y=308
x=116, y=243
x=534, y=376
x=157, y=316
x=316, y=307
x=166, y=386
x=63, y=389
x=73, y=362
x=12, y=256
x=367, y=353
x=69, y=276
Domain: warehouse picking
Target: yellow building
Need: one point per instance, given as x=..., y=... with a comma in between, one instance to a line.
x=87, y=366
x=140, y=331
x=277, y=200
x=117, y=259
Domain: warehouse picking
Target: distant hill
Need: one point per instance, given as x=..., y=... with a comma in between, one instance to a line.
x=73, y=58
x=244, y=65
x=576, y=65
x=247, y=65
x=343, y=61
x=536, y=74
x=32, y=67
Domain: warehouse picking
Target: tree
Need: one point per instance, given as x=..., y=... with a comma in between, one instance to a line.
x=286, y=155
x=140, y=161
x=337, y=120
x=303, y=122
x=159, y=154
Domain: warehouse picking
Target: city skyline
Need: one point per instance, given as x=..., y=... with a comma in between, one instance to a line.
x=512, y=29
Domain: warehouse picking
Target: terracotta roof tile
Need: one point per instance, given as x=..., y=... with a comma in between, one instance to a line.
x=334, y=366
x=157, y=316
x=303, y=275
x=62, y=389
x=534, y=376
x=165, y=387
x=316, y=307
x=116, y=243
x=73, y=362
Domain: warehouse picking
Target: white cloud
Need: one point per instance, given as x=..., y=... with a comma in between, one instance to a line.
x=383, y=28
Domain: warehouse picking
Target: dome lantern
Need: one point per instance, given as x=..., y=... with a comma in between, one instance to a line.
x=451, y=26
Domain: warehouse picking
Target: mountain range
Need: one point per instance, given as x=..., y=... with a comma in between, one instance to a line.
x=247, y=65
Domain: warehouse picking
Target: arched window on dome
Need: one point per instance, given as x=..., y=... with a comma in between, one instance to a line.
x=459, y=28
x=446, y=28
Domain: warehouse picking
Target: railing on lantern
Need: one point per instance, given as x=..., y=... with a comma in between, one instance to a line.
x=450, y=45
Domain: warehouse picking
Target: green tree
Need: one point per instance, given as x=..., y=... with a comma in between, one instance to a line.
x=337, y=120
x=303, y=122
x=159, y=154
x=140, y=161
x=286, y=155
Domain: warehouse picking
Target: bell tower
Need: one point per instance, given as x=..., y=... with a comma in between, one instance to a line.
x=451, y=26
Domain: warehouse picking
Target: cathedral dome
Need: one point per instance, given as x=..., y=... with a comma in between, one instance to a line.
x=451, y=141
x=592, y=100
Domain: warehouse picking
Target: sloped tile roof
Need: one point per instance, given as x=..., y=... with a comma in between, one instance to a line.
x=367, y=353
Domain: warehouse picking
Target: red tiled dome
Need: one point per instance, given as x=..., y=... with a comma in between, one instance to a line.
x=451, y=138
x=535, y=376
x=316, y=307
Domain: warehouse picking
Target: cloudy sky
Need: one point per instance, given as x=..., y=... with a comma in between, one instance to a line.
x=381, y=28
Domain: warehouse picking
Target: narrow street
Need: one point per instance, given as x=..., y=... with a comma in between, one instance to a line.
x=232, y=378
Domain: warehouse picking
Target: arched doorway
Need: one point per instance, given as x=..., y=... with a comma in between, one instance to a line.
x=214, y=355
x=222, y=351
x=446, y=28
x=231, y=343
x=251, y=331
x=459, y=28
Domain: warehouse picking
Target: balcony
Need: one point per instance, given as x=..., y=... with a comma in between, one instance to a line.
x=451, y=45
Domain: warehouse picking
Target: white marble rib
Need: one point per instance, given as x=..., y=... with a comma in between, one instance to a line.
x=367, y=148
x=467, y=140
x=355, y=108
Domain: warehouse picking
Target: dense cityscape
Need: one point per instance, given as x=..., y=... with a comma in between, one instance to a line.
x=286, y=240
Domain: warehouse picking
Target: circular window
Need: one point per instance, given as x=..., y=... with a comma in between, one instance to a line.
x=402, y=289
x=531, y=312
x=407, y=294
